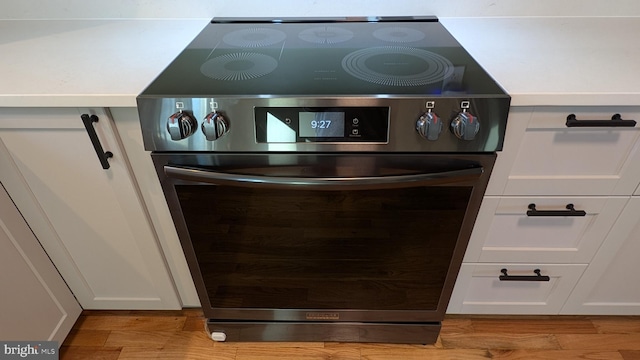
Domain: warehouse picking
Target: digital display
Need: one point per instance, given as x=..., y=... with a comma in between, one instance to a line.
x=321, y=124
x=337, y=124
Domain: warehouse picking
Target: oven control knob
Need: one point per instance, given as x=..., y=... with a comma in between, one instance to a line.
x=465, y=126
x=181, y=124
x=429, y=126
x=214, y=126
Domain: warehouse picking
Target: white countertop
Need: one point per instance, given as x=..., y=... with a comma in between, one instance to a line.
x=107, y=63
x=557, y=61
x=102, y=63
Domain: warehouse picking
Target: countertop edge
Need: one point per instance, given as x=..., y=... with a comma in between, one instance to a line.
x=129, y=100
x=68, y=100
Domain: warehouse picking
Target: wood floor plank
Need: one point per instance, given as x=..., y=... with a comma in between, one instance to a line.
x=131, y=322
x=427, y=353
x=139, y=338
x=499, y=341
x=86, y=338
x=555, y=355
x=296, y=353
x=534, y=326
x=457, y=325
x=194, y=323
x=271, y=345
x=377, y=346
x=617, y=325
x=599, y=341
x=630, y=354
x=190, y=353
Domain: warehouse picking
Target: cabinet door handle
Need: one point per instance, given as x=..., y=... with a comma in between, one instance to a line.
x=571, y=211
x=102, y=155
x=616, y=121
x=537, y=277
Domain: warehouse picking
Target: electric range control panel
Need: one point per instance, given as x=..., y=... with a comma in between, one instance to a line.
x=327, y=125
x=324, y=124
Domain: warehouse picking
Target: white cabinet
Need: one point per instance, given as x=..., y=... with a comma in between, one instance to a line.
x=609, y=285
x=554, y=168
x=35, y=304
x=504, y=231
x=553, y=159
x=91, y=221
x=480, y=290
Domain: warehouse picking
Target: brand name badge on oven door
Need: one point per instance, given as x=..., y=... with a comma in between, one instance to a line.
x=323, y=316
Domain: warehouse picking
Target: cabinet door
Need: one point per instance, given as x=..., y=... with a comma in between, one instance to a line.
x=505, y=233
x=479, y=289
x=90, y=221
x=36, y=303
x=553, y=159
x=128, y=126
x=609, y=285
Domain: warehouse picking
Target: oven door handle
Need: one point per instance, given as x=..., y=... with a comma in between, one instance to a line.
x=323, y=183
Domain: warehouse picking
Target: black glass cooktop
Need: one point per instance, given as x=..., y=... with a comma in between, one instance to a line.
x=305, y=57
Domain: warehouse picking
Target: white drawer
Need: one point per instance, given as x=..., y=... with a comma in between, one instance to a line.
x=545, y=157
x=479, y=289
x=503, y=231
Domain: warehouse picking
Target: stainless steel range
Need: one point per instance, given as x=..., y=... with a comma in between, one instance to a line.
x=324, y=175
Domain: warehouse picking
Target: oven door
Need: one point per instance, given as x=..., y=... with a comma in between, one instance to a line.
x=324, y=237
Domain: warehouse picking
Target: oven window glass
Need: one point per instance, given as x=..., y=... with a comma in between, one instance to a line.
x=300, y=249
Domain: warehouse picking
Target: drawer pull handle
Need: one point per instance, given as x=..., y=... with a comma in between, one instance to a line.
x=616, y=121
x=571, y=211
x=537, y=277
x=103, y=156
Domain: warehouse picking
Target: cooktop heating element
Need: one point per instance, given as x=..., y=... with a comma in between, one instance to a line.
x=399, y=34
x=397, y=66
x=326, y=35
x=254, y=37
x=238, y=66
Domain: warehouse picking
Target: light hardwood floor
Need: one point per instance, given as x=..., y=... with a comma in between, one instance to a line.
x=106, y=335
